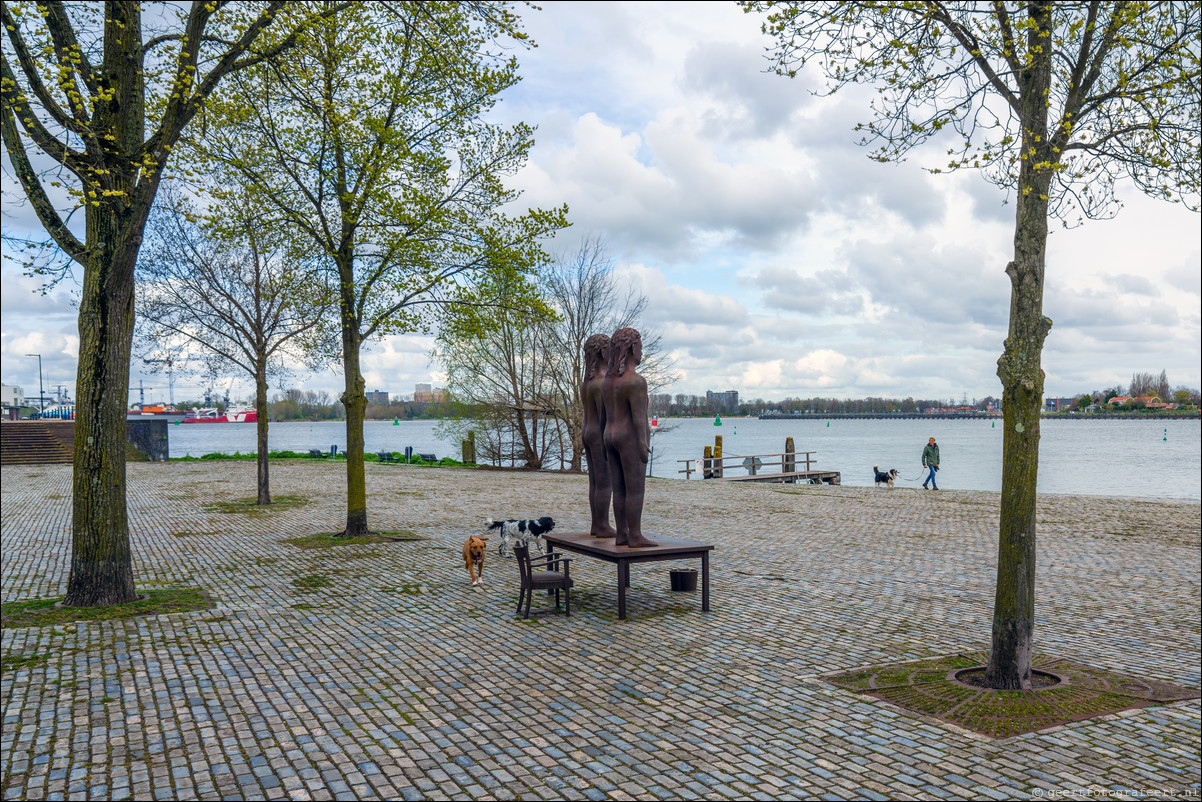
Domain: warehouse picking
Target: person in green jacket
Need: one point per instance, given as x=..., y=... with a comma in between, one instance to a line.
x=930, y=460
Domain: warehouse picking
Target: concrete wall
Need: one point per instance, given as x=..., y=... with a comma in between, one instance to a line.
x=149, y=437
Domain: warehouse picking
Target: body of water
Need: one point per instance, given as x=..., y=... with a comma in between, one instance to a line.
x=1152, y=458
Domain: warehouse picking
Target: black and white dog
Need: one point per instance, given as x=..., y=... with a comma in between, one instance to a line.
x=521, y=533
x=884, y=478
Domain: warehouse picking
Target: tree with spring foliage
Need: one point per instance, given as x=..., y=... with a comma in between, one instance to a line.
x=369, y=146
x=1054, y=101
x=95, y=97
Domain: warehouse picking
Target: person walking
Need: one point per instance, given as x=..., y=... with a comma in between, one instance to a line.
x=930, y=460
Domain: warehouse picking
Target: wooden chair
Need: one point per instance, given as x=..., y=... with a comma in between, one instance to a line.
x=543, y=573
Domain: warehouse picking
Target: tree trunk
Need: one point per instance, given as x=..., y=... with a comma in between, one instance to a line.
x=1022, y=378
x=354, y=399
x=261, y=431
x=101, y=561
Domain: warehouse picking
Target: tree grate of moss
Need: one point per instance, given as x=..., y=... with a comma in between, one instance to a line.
x=1085, y=693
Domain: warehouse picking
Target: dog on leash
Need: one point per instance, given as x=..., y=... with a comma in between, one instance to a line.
x=526, y=532
x=473, y=558
x=886, y=478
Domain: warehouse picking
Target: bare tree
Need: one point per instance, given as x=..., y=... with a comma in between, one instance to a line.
x=588, y=299
x=1163, y=389
x=523, y=376
x=1142, y=384
x=1056, y=102
x=232, y=292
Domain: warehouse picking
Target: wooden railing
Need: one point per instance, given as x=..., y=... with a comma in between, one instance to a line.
x=716, y=467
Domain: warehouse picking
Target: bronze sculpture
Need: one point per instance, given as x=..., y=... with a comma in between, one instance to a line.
x=627, y=435
x=596, y=358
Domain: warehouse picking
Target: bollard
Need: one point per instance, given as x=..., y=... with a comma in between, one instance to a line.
x=718, y=456
x=790, y=462
x=707, y=466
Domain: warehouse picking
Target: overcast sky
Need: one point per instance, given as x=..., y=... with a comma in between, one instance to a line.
x=778, y=259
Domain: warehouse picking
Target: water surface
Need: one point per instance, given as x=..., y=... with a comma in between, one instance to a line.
x=1153, y=458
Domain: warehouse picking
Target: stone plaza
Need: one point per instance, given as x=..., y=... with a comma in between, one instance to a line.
x=394, y=677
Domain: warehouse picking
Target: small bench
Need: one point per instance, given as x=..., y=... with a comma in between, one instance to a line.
x=387, y=456
x=316, y=453
x=427, y=458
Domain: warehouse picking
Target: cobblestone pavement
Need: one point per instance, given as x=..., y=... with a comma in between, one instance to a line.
x=401, y=680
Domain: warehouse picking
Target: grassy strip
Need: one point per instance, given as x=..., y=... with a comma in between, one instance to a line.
x=445, y=462
x=251, y=505
x=44, y=613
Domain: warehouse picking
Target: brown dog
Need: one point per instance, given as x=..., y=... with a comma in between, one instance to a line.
x=473, y=558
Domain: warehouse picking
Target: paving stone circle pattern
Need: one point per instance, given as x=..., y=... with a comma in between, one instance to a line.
x=395, y=678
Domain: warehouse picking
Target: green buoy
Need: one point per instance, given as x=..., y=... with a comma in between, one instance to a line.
x=395, y=422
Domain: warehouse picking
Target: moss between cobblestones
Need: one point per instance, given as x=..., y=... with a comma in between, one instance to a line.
x=814, y=493
x=14, y=662
x=333, y=541
x=312, y=581
x=45, y=613
x=250, y=506
x=405, y=588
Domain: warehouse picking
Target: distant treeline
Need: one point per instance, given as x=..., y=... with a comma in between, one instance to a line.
x=682, y=405
x=319, y=405
x=313, y=405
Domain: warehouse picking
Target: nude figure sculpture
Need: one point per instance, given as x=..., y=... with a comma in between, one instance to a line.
x=627, y=435
x=596, y=359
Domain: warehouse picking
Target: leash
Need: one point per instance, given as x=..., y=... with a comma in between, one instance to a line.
x=920, y=475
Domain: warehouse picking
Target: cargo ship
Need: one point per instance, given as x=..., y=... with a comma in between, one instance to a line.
x=152, y=411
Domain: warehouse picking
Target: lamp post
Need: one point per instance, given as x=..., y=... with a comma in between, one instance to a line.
x=41, y=397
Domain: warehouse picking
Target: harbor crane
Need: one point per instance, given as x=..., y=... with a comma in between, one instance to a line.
x=141, y=393
x=170, y=378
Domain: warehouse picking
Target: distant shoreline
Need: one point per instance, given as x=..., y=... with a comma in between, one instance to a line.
x=982, y=416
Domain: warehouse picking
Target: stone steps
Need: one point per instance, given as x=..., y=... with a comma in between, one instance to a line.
x=36, y=442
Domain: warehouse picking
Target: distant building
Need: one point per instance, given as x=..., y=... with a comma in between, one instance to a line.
x=1057, y=404
x=428, y=394
x=12, y=398
x=727, y=401
x=378, y=397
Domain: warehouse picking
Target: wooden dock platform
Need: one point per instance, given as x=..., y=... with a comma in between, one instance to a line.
x=794, y=477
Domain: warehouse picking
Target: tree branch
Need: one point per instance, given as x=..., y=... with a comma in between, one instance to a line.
x=47, y=214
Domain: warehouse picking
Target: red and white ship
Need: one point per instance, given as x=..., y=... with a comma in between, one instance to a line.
x=213, y=415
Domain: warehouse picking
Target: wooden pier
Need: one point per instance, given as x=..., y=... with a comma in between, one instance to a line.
x=793, y=467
